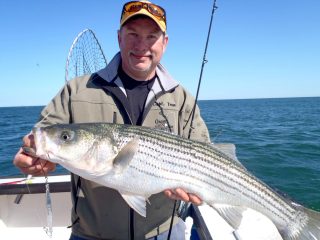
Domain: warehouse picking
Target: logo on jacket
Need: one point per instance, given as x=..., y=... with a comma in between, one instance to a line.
x=163, y=125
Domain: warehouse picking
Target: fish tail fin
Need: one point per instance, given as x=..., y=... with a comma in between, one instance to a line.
x=311, y=230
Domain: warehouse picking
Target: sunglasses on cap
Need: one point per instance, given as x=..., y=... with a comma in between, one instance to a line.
x=136, y=6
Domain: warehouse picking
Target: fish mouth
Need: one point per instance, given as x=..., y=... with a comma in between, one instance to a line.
x=45, y=148
x=39, y=140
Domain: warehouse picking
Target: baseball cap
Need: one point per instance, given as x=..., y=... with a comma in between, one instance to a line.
x=151, y=10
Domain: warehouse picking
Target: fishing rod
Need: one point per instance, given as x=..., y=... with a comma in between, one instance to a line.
x=204, y=61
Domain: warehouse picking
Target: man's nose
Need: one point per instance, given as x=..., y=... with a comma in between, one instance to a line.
x=141, y=44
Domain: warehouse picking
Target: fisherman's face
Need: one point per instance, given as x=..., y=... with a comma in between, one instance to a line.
x=142, y=45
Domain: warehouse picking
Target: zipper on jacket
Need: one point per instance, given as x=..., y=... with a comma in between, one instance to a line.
x=152, y=101
x=131, y=223
x=114, y=118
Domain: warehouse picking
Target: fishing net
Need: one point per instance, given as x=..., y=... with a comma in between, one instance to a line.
x=85, y=55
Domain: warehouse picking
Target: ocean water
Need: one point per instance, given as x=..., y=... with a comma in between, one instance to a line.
x=15, y=123
x=278, y=140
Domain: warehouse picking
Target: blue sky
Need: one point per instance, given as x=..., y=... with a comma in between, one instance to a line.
x=258, y=49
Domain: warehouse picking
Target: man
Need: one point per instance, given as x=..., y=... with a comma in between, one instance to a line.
x=134, y=88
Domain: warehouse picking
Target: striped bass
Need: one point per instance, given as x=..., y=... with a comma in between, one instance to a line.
x=139, y=162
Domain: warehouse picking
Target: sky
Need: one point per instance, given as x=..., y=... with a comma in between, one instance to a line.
x=257, y=49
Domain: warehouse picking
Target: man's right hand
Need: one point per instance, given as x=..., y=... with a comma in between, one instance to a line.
x=32, y=165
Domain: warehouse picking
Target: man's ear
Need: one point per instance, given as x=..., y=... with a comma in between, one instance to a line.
x=119, y=37
x=165, y=42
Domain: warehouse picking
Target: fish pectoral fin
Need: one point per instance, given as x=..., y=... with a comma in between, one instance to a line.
x=125, y=155
x=232, y=214
x=137, y=203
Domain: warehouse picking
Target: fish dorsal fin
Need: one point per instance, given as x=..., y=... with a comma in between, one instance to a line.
x=137, y=203
x=229, y=149
x=125, y=155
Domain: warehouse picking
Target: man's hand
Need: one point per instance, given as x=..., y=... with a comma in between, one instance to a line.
x=180, y=194
x=32, y=165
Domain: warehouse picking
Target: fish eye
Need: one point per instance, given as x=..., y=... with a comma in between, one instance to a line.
x=66, y=136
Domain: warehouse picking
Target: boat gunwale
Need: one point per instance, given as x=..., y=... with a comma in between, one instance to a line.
x=18, y=185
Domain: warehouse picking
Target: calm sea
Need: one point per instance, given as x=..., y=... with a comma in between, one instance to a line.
x=276, y=139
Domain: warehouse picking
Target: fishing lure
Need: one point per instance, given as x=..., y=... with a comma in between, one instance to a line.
x=48, y=229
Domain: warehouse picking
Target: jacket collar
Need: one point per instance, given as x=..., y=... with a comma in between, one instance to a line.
x=110, y=74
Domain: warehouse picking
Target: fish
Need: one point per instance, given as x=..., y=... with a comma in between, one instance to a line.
x=139, y=162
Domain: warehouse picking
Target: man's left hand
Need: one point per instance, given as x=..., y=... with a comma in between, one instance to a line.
x=180, y=194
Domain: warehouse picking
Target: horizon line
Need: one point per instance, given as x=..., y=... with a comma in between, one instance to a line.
x=218, y=99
